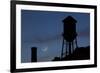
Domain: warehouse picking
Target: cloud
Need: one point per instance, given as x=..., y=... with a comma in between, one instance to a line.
x=39, y=39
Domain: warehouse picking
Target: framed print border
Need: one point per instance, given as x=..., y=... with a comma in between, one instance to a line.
x=13, y=35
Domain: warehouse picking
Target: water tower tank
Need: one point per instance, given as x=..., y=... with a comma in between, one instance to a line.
x=69, y=28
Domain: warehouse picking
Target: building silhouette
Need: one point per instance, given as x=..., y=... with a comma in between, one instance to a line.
x=80, y=53
x=34, y=54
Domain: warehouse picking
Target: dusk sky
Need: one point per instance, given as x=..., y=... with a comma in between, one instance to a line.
x=43, y=29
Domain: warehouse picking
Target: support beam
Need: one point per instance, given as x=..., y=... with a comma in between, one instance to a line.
x=62, y=48
x=69, y=48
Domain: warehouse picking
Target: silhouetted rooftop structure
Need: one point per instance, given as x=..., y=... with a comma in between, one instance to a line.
x=81, y=53
x=56, y=59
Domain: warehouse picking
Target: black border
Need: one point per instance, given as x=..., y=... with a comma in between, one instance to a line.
x=13, y=35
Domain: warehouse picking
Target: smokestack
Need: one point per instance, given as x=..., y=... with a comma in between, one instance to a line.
x=34, y=54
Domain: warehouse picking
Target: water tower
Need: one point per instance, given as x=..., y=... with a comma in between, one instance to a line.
x=69, y=36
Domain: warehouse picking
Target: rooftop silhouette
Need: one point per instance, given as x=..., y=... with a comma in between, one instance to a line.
x=81, y=53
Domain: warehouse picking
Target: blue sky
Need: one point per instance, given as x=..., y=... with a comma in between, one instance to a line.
x=43, y=29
